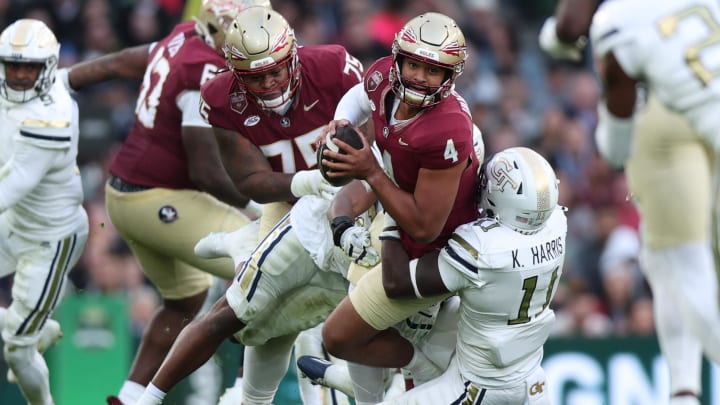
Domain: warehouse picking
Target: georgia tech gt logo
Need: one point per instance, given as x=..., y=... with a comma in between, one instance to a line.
x=501, y=173
x=537, y=388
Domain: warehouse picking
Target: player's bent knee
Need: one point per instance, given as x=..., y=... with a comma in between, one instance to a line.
x=335, y=341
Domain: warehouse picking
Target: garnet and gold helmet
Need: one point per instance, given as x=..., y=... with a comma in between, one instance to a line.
x=435, y=39
x=215, y=17
x=28, y=41
x=260, y=40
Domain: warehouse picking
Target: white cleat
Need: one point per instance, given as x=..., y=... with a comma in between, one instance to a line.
x=212, y=246
x=231, y=396
x=238, y=244
x=322, y=372
x=49, y=335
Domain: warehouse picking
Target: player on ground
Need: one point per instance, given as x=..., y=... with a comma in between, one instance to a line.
x=43, y=225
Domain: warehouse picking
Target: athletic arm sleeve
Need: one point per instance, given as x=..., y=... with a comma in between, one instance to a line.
x=354, y=106
x=189, y=104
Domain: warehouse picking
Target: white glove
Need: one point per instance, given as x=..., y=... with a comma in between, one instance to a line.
x=355, y=242
x=254, y=209
x=552, y=45
x=306, y=182
x=390, y=229
x=62, y=76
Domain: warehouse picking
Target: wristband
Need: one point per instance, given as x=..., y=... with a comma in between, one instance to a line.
x=338, y=226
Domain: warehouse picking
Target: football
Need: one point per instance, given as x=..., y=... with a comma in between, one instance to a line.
x=348, y=135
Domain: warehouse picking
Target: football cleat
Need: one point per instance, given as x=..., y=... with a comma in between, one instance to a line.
x=212, y=246
x=113, y=400
x=49, y=335
x=238, y=244
x=319, y=371
x=231, y=396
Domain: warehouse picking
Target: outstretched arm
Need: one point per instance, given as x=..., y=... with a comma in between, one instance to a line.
x=573, y=19
x=129, y=63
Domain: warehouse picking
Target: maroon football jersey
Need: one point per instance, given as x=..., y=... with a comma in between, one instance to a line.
x=439, y=137
x=153, y=154
x=287, y=141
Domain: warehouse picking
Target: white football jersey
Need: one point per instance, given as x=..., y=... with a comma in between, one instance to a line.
x=506, y=281
x=671, y=45
x=40, y=189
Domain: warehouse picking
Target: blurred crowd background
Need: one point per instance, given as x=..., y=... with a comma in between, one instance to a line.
x=518, y=96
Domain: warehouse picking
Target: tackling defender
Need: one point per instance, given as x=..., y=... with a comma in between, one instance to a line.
x=505, y=268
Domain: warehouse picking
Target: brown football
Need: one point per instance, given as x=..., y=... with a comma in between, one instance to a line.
x=348, y=135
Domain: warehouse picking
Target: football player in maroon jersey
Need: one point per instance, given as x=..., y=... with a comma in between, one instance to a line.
x=167, y=187
x=267, y=110
x=425, y=133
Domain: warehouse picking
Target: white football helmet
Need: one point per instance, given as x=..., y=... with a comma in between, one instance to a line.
x=519, y=188
x=28, y=41
x=437, y=40
x=215, y=16
x=260, y=40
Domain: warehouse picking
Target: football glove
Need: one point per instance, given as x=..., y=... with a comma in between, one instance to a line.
x=355, y=242
x=551, y=44
x=306, y=182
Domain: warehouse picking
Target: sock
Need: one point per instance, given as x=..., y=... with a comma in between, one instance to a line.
x=309, y=342
x=130, y=392
x=151, y=396
x=264, y=367
x=3, y=312
x=422, y=368
x=368, y=383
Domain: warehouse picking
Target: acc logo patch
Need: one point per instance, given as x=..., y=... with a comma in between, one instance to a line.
x=374, y=81
x=168, y=214
x=238, y=102
x=251, y=121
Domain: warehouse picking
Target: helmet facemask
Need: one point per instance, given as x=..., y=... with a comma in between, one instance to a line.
x=28, y=41
x=434, y=39
x=288, y=87
x=259, y=42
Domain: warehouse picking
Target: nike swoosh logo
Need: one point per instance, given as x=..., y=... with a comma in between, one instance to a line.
x=309, y=107
x=401, y=142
